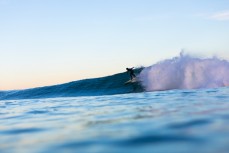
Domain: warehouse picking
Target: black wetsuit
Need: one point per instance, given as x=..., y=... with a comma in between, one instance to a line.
x=131, y=71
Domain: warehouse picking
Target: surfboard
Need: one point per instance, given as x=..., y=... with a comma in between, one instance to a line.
x=131, y=81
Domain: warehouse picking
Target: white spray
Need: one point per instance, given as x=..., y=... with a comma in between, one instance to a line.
x=186, y=72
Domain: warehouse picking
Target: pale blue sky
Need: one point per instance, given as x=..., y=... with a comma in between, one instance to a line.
x=45, y=42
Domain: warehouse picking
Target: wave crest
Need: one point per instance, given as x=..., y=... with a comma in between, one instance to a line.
x=186, y=72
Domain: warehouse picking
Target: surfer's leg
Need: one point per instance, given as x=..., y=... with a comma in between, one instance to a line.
x=132, y=75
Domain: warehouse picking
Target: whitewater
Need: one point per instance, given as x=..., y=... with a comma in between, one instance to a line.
x=186, y=72
x=178, y=105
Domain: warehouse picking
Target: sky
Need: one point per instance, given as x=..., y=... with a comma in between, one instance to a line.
x=47, y=42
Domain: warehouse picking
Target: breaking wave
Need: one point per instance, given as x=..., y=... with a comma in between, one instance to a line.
x=186, y=72
x=182, y=72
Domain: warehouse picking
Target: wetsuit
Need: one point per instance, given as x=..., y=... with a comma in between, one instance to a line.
x=131, y=71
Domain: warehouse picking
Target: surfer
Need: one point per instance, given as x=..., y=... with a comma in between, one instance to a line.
x=131, y=71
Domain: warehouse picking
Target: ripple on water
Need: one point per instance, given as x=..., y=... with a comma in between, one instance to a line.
x=151, y=139
x=38, y=112
x=194, y=123
x=127, y=142
x=21, y=131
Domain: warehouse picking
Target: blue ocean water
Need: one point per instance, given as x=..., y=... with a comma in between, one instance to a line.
x=179, y=105
x=174, y=121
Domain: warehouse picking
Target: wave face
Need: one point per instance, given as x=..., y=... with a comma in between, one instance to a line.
x=186, y=72
x=90, y=87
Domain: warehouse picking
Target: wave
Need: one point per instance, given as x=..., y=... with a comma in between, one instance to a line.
x=182, y=72
x=186, y=72
x=89, y=87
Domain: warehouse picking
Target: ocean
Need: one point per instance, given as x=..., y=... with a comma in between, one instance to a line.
x=179, y=105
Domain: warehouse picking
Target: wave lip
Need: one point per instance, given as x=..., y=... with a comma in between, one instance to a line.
x=186, y=72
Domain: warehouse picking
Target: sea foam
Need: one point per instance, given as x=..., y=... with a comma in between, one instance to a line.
x=186, y=72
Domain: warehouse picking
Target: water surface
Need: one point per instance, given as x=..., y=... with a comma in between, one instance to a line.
x=175, y=121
